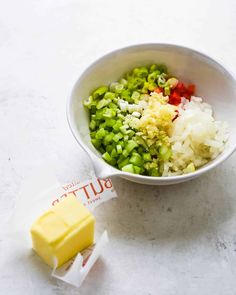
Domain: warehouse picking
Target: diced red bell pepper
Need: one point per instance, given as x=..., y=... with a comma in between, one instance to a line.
x=181, y=91
x=180, y=86
x=191, y=89
x=175, y=98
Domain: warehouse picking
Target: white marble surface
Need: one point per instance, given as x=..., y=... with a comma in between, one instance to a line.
x=164, y=240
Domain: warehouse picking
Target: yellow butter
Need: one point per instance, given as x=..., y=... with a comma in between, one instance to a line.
x=64, y=230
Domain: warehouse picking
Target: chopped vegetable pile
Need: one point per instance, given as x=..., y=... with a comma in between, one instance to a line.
x=132, y=122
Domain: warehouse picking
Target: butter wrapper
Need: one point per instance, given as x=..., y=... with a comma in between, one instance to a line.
x=91, y=192
x=74, y=271
x=42, y=191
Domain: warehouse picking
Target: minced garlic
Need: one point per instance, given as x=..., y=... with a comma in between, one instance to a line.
x=156, y=119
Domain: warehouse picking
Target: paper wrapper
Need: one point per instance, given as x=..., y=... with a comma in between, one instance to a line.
x=42, y=191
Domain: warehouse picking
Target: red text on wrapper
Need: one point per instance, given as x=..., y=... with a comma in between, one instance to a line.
x=88, y=192
x=70, y=185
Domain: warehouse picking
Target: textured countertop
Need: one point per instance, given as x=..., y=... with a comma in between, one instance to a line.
x=172, y=240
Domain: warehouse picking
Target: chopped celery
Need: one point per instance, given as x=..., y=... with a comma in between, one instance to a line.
x=141, y=142
x=152, y=86
x=101, y=133
x=145, y=87
x=136, y=159
x=172, y=82
x=110, y=122
x=126, y=137
x=153, y=172
x=101, y=150
x=131, y=145
x=103, y=125
x=92, y=109
x=123, y=81
x=135, y=95
x=147, y=157
x=115, y=100
x=120, y=116
x=141, y=72
x=102, y=103
x=109, y=95
x=119, y=88
x=88, y=102
x=114, y=153
x=93, y=134
x=123, y=163
x=116, y=87
x=161, y=81
x=99, y=114
x=125, y=94
x=136, y=83
x=109, y=148
x=161, y=167
x=112, y=105
x=121, y=159
x=128, y=168
x=108, y=138
x=117, y=125
x=138, y=170
x=167, y=90
x=107, y=157
x=92, y=125
x=153, y=151
x=131, y=133
x=100, y=91
x=119, y=149
x=124, y=128
x=109, y=113
x=117, y=137
x=153, y=68
x=140, y=150
x=165, y=152
x=96, y=142
x=125, y=153
x=153, y=76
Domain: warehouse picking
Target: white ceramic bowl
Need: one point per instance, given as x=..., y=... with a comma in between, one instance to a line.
x=214, y=83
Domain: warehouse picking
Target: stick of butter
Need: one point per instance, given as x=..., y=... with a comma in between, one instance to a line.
x=64, y=230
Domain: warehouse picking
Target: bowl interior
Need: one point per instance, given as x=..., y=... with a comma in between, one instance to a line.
x=213, y=83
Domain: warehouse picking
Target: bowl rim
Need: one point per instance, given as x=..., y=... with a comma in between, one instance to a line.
x=114, y=170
